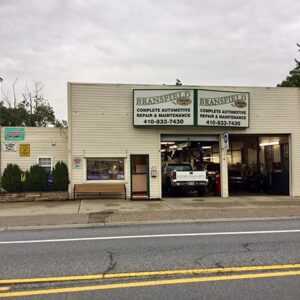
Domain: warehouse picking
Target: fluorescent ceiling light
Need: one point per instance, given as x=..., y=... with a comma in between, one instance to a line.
x=167, y=143
x=173, y=147
x=206, y=147
x=210, y=157
x=183, y=145
x=268, y=144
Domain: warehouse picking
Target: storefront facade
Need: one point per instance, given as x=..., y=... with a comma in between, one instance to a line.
x=125, y=133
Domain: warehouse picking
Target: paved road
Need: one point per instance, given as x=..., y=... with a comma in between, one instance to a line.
x=201, y=260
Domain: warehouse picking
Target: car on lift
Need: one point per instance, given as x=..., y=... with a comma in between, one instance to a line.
x=180, y=177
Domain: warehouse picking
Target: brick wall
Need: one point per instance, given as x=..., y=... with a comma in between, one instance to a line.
x=38, y=196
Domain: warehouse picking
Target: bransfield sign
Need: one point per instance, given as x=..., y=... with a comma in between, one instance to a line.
x=210, y=108
x=222, y=108
x=163, y=107
x=14, y=134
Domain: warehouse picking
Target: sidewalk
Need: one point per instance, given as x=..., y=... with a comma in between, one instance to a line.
x=119, y=211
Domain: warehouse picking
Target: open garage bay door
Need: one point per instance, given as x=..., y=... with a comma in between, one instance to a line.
x=187, y=162
x=189, y=138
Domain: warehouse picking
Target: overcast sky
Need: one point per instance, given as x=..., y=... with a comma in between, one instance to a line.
x=205, y=42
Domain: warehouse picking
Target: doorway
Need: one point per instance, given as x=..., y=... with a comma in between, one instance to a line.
x=139, y=166
x=258, y=164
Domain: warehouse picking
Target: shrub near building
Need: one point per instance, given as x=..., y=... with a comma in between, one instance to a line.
x=36, y=179
x=11, y=179
x=60, y=175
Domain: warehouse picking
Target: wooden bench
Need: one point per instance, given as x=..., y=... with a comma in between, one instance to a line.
x=99, y=188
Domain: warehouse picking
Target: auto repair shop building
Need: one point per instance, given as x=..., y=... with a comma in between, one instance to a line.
x=126, y=132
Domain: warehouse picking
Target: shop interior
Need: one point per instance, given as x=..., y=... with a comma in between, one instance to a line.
x=202, y=152
x=257, y=164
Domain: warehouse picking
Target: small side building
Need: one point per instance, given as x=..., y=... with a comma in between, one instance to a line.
x=27, y=146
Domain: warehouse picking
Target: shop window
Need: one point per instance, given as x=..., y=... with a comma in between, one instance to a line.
x=105, y=169
x=46, y=163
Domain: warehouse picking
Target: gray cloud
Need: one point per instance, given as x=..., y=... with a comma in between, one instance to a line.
x=201, y=42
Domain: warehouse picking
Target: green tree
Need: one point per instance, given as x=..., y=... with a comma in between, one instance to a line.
x=33, y=110
x=60, y=175
x=292, y=80
x=12, y=116
x=36, y=179
x=11, y=179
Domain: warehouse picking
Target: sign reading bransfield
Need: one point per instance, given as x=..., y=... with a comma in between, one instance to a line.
x=223, y=109
x=163, y=107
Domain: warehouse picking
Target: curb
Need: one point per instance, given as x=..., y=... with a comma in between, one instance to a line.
x=131, y=223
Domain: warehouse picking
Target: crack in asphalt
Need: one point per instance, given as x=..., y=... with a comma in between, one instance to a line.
x=246, y=246
x=112, y=263
x=219, y=265
x=198, y=260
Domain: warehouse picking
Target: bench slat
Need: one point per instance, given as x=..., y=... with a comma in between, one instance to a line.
x=100, y=188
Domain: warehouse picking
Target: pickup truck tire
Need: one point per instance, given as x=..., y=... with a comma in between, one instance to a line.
x=201, y=191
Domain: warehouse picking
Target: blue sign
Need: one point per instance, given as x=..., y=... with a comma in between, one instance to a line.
x=50, y=180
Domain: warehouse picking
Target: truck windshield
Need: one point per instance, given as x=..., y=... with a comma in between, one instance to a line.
x=179, y=167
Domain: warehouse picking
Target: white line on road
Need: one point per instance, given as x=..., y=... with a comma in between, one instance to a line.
x=125, y=237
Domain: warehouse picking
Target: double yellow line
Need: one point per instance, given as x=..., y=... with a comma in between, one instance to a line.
x=291, y=267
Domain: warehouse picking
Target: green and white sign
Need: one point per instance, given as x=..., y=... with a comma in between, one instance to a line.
x=163, y=107
x=222, y=109
x=14, y=134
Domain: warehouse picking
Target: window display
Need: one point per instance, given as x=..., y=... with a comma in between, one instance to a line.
x=105, y=169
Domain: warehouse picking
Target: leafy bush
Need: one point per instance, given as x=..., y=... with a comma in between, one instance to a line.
x=11, y=179
x=36, y=179
x=60, y=175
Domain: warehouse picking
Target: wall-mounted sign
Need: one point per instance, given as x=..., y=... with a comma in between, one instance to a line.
x=77, y=162
x=9, y=147
x=14, y=134
x=154, y=172
x=163, y=107
x=23, y=176
x=225, y=141
x=24, y=150
x=50, y=180
x=223, y=109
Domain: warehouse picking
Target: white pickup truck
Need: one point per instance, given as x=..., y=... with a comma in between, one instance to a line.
x=181, y=177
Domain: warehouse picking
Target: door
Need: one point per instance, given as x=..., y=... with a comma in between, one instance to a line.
x=139, y=164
